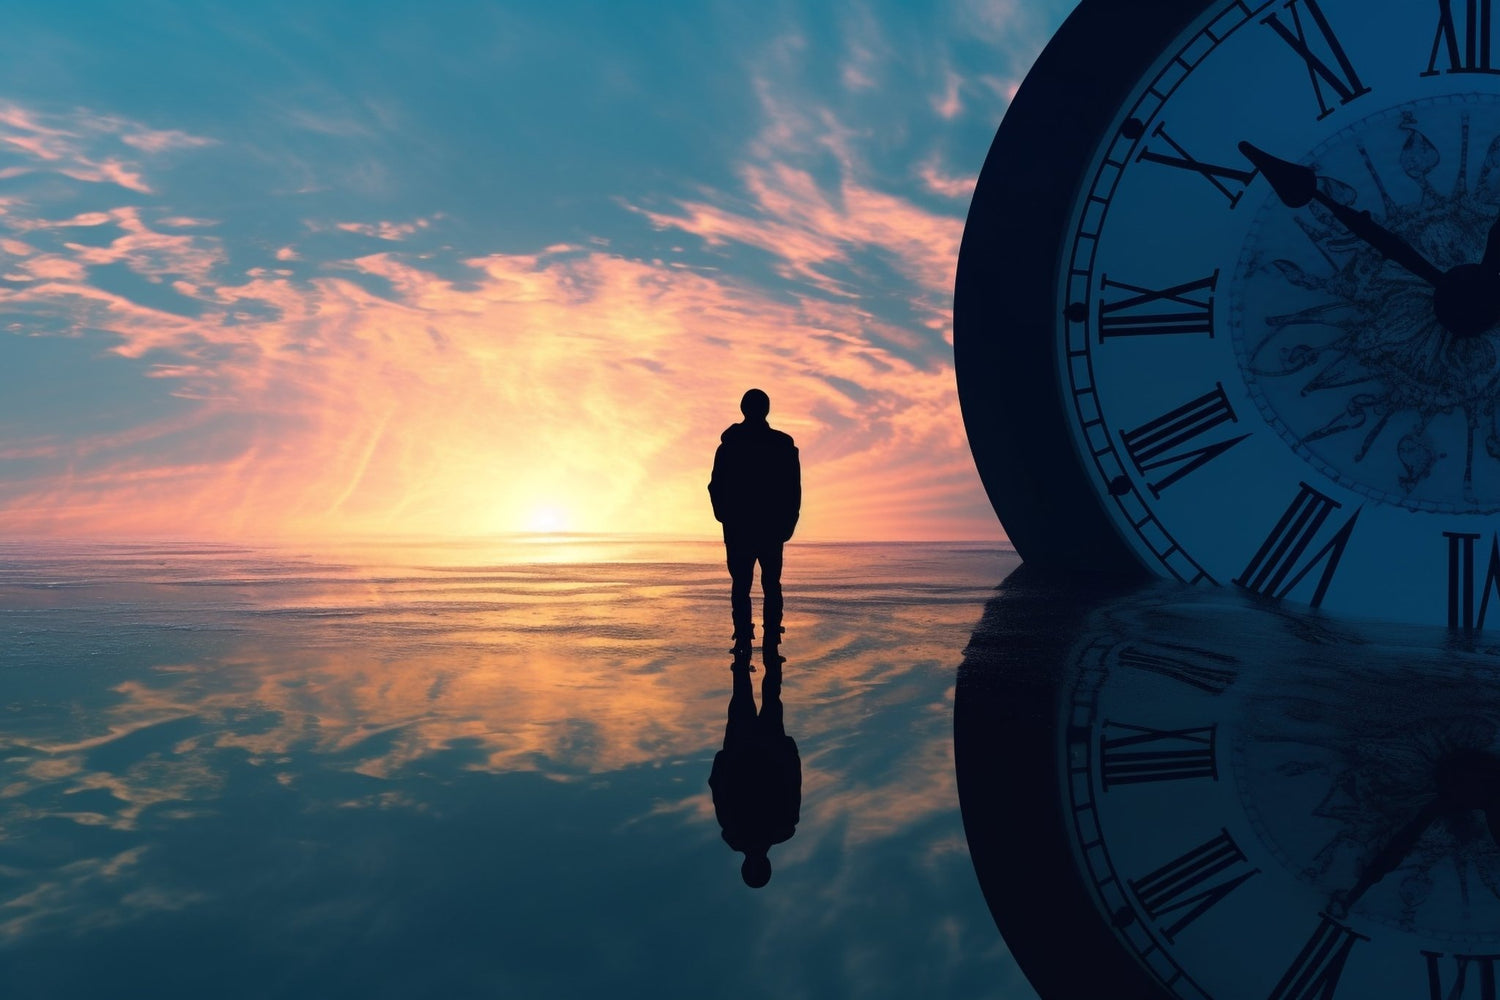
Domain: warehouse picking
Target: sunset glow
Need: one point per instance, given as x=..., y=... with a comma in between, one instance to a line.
x=243, y=304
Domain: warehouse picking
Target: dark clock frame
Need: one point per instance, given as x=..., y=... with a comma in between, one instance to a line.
x=1006, y=731
x=1005, y=297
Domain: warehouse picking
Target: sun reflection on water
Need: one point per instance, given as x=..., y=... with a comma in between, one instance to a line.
x=184, y=727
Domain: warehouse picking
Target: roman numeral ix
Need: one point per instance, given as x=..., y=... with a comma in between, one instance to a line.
x=1132, y=755
x=1184, y=308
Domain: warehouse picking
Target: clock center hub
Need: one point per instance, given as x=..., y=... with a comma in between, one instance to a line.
x=1469, y=779
x=1467, y=301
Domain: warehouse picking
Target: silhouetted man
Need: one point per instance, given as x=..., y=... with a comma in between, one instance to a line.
x=757, y=777
x=756, y=491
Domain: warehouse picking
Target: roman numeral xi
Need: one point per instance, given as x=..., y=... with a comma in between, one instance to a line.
x=1340, y=77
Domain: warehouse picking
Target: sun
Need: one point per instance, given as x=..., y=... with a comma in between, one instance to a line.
x=548, y=519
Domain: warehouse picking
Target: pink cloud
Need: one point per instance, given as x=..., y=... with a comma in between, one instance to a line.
x=949, y=105
x=53, y=267
x=162, y=141
x=939, y=182
x=808, y=230
x=393, y=231
x=76, y=144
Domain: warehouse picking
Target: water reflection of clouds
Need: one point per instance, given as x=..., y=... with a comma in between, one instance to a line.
x=332, y=707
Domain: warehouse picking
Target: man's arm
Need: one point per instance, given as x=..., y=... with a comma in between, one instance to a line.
x=794, y=493
x=716, y=485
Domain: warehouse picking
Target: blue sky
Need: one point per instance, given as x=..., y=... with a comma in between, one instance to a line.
x=280, y=269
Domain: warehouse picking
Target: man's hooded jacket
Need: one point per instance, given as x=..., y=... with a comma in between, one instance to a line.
x=757, y=480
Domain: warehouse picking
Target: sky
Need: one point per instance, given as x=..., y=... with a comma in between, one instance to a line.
x=317, y=268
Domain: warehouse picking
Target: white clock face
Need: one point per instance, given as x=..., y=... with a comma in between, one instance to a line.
x=1276, y=395
x=1278, y=819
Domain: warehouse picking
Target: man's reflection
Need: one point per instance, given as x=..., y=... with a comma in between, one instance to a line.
x=757, y=777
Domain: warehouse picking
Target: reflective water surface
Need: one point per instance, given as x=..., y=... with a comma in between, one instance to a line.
x=1225, y=798
x=434, y=770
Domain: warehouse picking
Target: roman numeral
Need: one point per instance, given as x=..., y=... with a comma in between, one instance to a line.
x=1231, y=181
x=1474, y=977
x=1203, y=669
x=1149, y=312
x=1131, y=755
x=1159, y=444
x=1473, y=56
x=1344, y=82
x=1315, y=973
x=1461, y=580
x=1280, y=563
x=1194, y=882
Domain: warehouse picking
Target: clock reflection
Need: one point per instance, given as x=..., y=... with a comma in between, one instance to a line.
x=1178, y=793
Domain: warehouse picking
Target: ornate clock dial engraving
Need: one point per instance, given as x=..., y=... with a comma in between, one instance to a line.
x=1345, y=355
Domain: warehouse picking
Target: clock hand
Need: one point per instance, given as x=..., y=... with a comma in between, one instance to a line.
x=1296, y=185
x=1491, y=262
x=1391, y=856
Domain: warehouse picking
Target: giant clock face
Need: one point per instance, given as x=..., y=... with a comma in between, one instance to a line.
x=1272, y=302
x=1254, y=804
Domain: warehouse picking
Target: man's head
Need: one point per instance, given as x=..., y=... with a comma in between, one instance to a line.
x=756, y=871
x=755, y=405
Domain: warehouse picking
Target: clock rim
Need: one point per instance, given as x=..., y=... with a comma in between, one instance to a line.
x=1016, y=422
x=1006, y=706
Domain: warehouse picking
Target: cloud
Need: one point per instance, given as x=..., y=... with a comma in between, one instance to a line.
x=85, y=146
x=949, y=105
x=393, y=231
x=939, y=182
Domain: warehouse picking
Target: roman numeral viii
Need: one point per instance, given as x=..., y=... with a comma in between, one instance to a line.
x=1343, y=81
x=1466, y=53
x=1194, y=882
x=1461, y=579
x=1165, y=444
x=1131, y=755
x=1144, y=312
x=1315, y=974
x=1473, y=977
x=1281, y=562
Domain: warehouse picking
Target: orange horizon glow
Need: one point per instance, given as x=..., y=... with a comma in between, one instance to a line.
x=365, y=379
